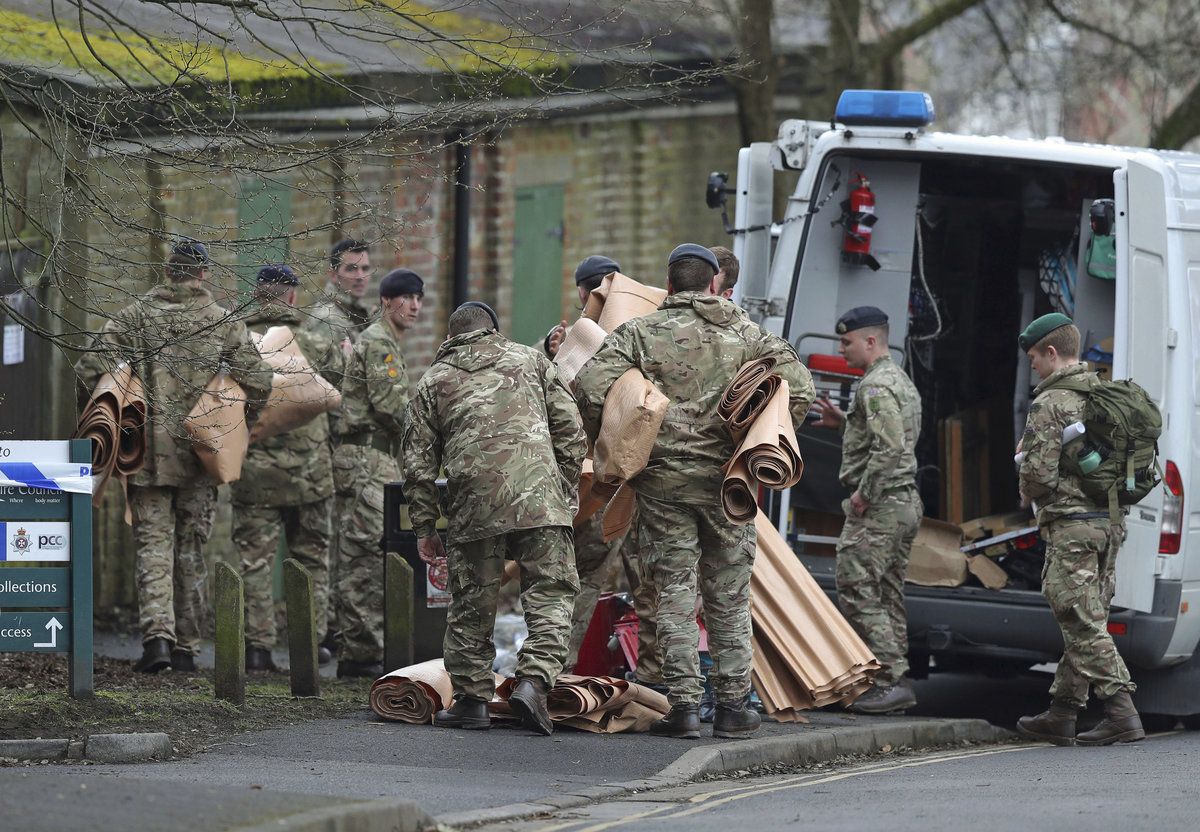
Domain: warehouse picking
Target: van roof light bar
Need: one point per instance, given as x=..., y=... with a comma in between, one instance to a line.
x=893, y=108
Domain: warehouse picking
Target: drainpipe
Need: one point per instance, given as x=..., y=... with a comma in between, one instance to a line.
x=462, y=218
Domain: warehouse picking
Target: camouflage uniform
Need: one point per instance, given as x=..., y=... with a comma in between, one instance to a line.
x=691, y=348
x=1079, y=575
x=374, y=396
x=879, y=461
x=287, y=480
x=496, y=417
x=176, y=337
x=336, y=316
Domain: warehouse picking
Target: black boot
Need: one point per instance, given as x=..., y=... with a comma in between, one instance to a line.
x=885, y=699
x=734, y=719
x=466, y=712
x=258, y=660
x=1056, y=725
x=682, y=723
x=156, y=656
x=528, y=701
x=347, y=669
x=324, y=655
x=1121, y=723
x=182, y=661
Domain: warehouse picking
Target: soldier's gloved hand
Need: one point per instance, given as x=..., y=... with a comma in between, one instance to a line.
x=431, y=549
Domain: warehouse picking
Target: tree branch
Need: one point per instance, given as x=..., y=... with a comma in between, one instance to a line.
x=1182, y=124
x=894, y=42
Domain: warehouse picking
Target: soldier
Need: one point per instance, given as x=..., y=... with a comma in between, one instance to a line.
x=727, y=277
x=879, y=466
x=691, y=348
x=287, y=481
x=497, y=418
x=593, y=557
x=1082, y=541
x=374, y=395
x=176, y=338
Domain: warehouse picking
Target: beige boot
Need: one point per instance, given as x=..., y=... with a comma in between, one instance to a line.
x=1121, y=723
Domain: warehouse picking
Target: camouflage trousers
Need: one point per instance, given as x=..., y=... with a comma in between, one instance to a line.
x=256, y=534
x=359, y=474
x=872, y=557
x=689, y=547
x=170, y=527
x=548, y=587
x=595, y=562
x=1079, y=579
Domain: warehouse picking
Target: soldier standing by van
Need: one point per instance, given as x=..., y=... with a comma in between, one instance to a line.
x=879, y=466
x=1082, y=540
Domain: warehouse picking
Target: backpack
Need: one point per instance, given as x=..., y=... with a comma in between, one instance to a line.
x=1122, y=425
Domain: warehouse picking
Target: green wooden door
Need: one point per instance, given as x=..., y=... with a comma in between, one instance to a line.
x=537, y=262
x=264, y=222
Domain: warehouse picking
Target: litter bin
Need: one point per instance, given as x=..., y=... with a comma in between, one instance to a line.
x=429, y=587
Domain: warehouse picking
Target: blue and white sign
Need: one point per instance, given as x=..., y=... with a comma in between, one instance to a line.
x=43, y=465
x=28, y=542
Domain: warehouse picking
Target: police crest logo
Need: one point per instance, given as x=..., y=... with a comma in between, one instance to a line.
x=21, y=541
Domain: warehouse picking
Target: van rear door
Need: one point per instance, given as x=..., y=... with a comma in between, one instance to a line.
x=1140, y=348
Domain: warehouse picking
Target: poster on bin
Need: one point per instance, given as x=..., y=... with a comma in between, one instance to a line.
x=437, y=580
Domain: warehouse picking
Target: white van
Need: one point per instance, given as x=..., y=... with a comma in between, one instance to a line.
x=974, y=237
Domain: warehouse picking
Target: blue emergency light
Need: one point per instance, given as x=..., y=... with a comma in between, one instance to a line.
x=893, y=108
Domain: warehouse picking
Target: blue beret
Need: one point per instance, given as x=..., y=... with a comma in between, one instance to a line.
x=1042, y=327
x=401, y=282
x=191, y=252
x=861, y=317
x=695, y=252
x=596, y=265
x=279, y=274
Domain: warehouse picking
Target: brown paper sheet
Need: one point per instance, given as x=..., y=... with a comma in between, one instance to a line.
x=581, y=342
x=413, y=694
x=633, y=412
x=769, y=453
x=739, y=492
x=747, y=395
x=936, y=558
x=298, y=393
x=627, y=299
x=618, y=514
x=806, y=654
x=115, y=420
x=217, y=428
x=987, y=571
x=597, y=704
x=589, y=500
x=595, y=301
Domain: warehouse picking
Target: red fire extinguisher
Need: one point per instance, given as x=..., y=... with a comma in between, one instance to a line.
x=858, y=216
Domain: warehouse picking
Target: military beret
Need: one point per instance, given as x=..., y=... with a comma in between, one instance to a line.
x=695, y=252
x=279, y=274
x=190, y=252
x=401, y=282
x=861, y=317
x=593, y=266
x=1042, y=327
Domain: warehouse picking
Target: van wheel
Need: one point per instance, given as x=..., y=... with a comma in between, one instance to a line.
x=1158, y=723
x=1191, y=722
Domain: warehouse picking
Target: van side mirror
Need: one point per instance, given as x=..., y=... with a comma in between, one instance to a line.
x=1103, y=214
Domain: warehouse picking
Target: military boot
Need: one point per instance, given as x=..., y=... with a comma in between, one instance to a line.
x=156, y=656
x=466, y=712
x=1121, y=723
x=885, y=699
x=258, y=660
x=1056, y=725
x=349, y=669
x=528, y=701
x=735, y=719
x=682, y=723
x=182, y=661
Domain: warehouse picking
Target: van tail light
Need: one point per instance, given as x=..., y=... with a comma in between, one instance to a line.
x=1171, y=533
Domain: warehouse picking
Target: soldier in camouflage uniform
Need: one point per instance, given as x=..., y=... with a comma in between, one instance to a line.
x=339, y=316
x=496, y=417
x=879, y=466
x=375, y=393
x=176, y=337
x=1082, y=540
x=691, y=348
x=287, y=481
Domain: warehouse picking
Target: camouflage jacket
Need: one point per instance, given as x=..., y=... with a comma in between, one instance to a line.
x=691, y=348
x=375, y=391
x=497, y=417
x=296, y=467
x=338, y=315
x=880, y=434
x=1056, y=494
x=176, y=337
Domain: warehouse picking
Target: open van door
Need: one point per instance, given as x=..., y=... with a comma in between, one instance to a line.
x=1140, y=348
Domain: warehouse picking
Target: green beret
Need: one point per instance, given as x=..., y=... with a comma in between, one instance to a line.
x=1042, y=327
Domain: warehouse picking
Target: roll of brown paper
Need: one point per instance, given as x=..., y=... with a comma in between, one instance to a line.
x=298, y=393
x=217, y=428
